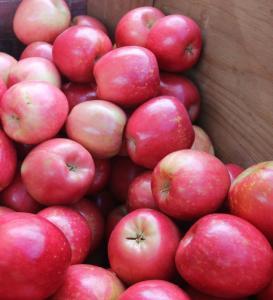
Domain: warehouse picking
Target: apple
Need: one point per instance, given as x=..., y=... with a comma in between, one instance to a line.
x=3, y=88
x=74, y=227
x=76, y=50
x=267, y=293
x=156, y=128
x=154, y=290
x=183, y=89
x=251, y=197
x=225, y=256
x=176, y=42
x=234, y=171
x=38, y=49
x=142, y=246
x=89, y=282
x=202, y=141
x=34, y=69
x=133, y=28
x=33, y=111
x=98, y=125
x=105, y=202
x=127, y=76
x=34, y=256
x=5, y=210
x=6, y=63
x=113, y=218
x=58, y=172
x=84, y=20
x=188, y=184
x=140, y=193
x=40, y=21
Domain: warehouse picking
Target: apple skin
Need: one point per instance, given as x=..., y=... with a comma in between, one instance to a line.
x=76, y=50
x=156, y=128
x=35, y=256
x=188, y=184
x=222, y=249
x=74, y=227
x=33, y=111
x=251, y=197
x=6, y=63
x=38, y=49
x=34, y=69
x=154, y=290
x=133, y=28
x=202, y=141
x=127, y=76
x=51, y=18
x=113, y=218
x=142, y=246
x=183, y=89
x=5, y=210
x=3, y=88
x=176, y=42
x=105, y=202
x=234, y=171
x=60, y=166
x=89, y=282
x=85, y=20
x=140, y=193
x=267, y=293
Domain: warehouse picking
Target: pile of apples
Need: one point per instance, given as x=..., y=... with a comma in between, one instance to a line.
x=108, y=190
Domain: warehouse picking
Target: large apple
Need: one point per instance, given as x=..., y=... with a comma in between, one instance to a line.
x=5, y=210
x=225, y=256
x=127, y=76
x=113, y=218
x=33, y=111
x=84, y=20
x=58, y=172
x=142, y=246
x=234, y=171
x=42, y=20
x=38, y=49
x=156, y=128
x=34, y=257
x=6, y=63
x=76, y=50
x=188, y=184
x=176, y=42
x=202, y=141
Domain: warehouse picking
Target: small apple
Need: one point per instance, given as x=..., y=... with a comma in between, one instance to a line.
x=38, y=49
x=6, y=63
x=84, y=20
x=202, y=141
x=113, y=218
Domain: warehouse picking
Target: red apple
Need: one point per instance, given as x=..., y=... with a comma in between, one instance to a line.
x=34, y=257
x=38, y=49
x=113, y=218
x=5, y=210
x=142, y=246
x=74, y=227
x=267, y=293
x=58, y=172
x=154, y=290
x=133, y=28
x=89, y=282
x=105, y=202
x=98, y=125
x=225, y=256
x=202, y=141
x=33, y=111
x=184, y=90
x=127, y=76
x=156, y=128
x=6, y=63
x=76, y=50
x=34, y=69
x=3, y=88
x=94, y=23
x=188, y=184
x=234, y=171
x=176, y=42
x=42, y=20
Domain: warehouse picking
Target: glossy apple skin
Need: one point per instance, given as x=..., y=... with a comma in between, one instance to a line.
x=74, y=227
x=60, y=166
x=3, y=88
x=176, y=42
x=38, y=49
x=251, y=197
x=98, y=125
x=127, y=76
x=15, y=196
x=89, y=282
x=78, y=92
x=133, y=28
x=33, y=111
x=5, y=210
x=267, y=293
x=76, y=50
x=105, y=202
x=8, y=160
x=51, y=18
x=234, y=171
x=188, y=184
x=113, y=218
x=123, y=171
x=137, y=246
x=222, y=249
x=34, y=255
x=202, y=141
x=154, y=290
x=156, y=128
x=184, y=90
x=34, y=69
x=94, y=218
x=140, y=193
x=6, y=63
x=85, y=20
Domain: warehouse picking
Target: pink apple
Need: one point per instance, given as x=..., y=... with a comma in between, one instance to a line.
x=202, y=141
x=94, y=23
x=127, y=76
x=6, y=63
x=3, y=88
x=58, y=172
x=113, y=218
x=38, y=49
x=5, y=210
x=105, y=202
x=234, y=171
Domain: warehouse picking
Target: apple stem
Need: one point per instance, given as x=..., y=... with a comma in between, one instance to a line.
x=138, y=238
